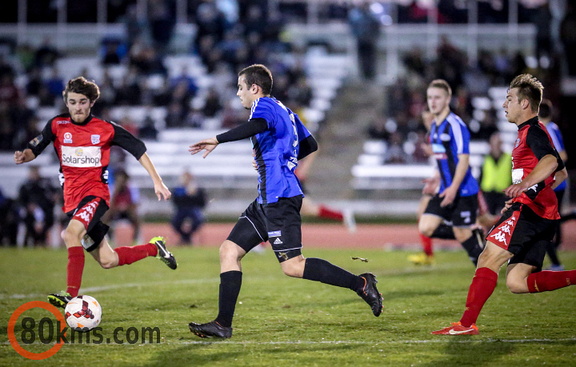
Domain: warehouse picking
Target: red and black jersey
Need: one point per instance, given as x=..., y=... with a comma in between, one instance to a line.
x=84, y=153
x=532, y=144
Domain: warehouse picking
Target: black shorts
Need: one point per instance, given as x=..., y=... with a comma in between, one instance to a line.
x=524, y=234
x=461, y=213
x=278, y=223
x=89, y=212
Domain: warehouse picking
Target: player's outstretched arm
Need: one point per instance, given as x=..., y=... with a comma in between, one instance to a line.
x=207, y=144
x=23, y=156
x=160, y=189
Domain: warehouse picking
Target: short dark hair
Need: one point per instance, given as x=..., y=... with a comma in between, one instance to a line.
x=530, y=88
x=546, y=110
x=441, y=84
x=260, y=75
x=83, y=86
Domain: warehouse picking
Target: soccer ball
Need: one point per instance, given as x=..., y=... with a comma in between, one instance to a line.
x=83, y=313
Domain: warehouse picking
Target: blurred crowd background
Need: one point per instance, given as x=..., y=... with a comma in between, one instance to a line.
x=170, y=65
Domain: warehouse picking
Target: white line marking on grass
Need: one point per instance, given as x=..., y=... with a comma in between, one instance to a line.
x=117, y=286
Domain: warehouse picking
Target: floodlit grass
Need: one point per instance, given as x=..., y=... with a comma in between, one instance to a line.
x=290, y=322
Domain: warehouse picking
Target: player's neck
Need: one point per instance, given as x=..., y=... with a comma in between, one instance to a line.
x=439, y=118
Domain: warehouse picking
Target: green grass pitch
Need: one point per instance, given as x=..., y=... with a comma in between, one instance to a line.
x=282, y=321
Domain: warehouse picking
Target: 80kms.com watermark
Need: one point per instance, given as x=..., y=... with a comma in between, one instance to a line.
x=48, y=331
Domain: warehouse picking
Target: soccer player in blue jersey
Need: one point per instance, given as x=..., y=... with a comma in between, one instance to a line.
x=457, y=198
x=279, y=140
x=545, y=116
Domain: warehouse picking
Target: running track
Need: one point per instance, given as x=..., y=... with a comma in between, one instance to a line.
x=376, y=236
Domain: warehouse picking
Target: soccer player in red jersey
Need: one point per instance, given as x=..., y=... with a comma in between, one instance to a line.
x=82, y=143
x=529, y=219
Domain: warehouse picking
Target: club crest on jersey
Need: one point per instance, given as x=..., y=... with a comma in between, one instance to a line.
x=95, y=139
x=67, y=138
x=516, y=143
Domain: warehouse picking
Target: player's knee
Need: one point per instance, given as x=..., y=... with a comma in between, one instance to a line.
x=70, y=236
x=107, y=263
x=425, y=229
x=516, y=286
x=294, y=267
x=229, y=251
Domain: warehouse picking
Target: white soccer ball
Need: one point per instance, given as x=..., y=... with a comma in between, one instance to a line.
x=83, y=313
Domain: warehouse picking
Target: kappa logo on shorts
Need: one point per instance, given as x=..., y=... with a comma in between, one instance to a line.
x=86, y=213
x=503, y=232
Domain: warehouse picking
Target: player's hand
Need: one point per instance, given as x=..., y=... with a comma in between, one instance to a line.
x=448, y=196
x=19, y=157
x=430, y=185
x=207, y=144
x=507, y=206
x=255, y=164
x=513, y=191
x=162, y=191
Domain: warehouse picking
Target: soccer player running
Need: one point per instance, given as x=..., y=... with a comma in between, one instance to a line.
x=457, y=199
x=82, y=143
x=279, y=140
x=529, y=219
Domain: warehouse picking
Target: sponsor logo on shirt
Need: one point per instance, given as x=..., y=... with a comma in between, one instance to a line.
x=67, y=138
x=81, y=156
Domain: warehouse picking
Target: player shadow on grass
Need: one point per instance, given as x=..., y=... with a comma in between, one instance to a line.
x=466, y=351
x=212, y=352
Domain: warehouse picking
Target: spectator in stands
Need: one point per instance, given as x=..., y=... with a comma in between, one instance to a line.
x=161, y=16
x=184, y=80
x=378, y=128
x=395, y=153
x=55, y=83
x=9, y=93
x=545, y=115
x=148, y=129
x=9, y=220
x=46, y=55
x=212, y=105
x=123, y=205
x=189, y=201
x=37, y=198
x=366, y=29
x=495, y=176
x=568, y=36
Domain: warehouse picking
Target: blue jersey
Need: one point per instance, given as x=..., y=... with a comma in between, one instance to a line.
x=276, y=150
x=558, y=143
x=449, y=139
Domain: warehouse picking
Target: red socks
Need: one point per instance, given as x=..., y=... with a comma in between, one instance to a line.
x=426, y=245
x=550, y=280
x=74, y=270
x=483, y=284
x=130, y=254
x=328, y=213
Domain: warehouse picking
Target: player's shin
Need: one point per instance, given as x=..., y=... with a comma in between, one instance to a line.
x=74, y=270
x=483, y=284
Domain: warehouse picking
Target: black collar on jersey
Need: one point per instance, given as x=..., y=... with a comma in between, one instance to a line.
x=532, y=121
x=90, y=116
